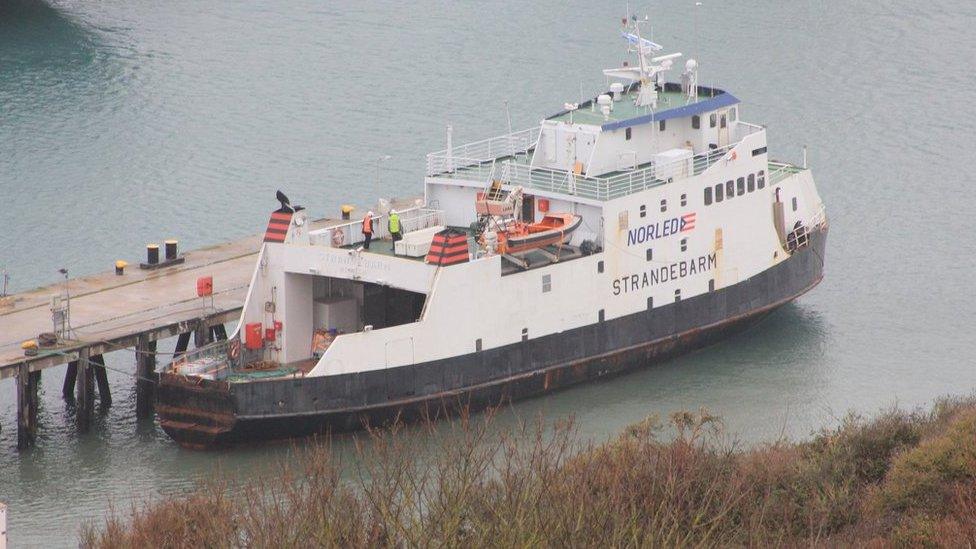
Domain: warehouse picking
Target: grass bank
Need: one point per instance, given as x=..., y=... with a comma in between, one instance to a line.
x=901, y=479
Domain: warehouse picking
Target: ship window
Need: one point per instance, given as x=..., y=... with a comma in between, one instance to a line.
x=599, y=266
x=733, y=114
x=759, y=151
x=477, y=344
x=740, y=186
x=794, y=203
x=761, y=179
x=752, y=182
x=650, y=303
x=711, y=285
x=708, y=196
x=719, y=190
x=525, y=334
x=650, y=254
x=546, y=283
x=601, y=315
x=627, y=134
x=664, y=205
x=684, y=199
x=643, y=211
x=729, y=188
x=661, y=125
x=695, y=122
x=712, y=118
x=677, y=295
x=722, y=123
x=684, y=244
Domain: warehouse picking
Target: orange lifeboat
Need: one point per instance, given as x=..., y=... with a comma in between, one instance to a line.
x=555, y=228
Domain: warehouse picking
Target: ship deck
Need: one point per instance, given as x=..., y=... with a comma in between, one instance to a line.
x=625, y=109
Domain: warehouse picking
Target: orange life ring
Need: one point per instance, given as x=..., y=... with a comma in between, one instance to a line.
x=338, y=237
x=234, y=349
x=733, y=156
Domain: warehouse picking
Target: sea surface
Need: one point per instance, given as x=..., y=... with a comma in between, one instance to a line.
x=129, y=121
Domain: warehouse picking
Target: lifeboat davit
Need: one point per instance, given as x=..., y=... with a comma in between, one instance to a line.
x=555, y=228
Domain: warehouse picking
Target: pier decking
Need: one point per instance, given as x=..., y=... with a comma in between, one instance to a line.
x=109, y=312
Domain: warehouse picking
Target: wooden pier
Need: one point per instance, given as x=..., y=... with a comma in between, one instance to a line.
x=110, y=312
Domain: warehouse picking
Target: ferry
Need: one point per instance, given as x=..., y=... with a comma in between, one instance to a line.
x=621, y=231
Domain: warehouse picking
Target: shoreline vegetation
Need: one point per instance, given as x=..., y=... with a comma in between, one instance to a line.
x=899, y=479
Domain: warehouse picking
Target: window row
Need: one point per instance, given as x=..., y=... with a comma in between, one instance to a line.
x=664, y=205
x=739, y=187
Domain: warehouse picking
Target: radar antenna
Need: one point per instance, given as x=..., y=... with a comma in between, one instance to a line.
x=648, y=70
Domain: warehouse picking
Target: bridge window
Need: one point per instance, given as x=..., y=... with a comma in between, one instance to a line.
x=708, y=196
x=752, y=182
x=719, y=190
x=661, y=125
x=695, y=122
x=664, y=205
x=643, y=211
x=761, y=179
x=684, y=199
x=729, y=188
x=740, y=186
x=759, y=151
x=627, y=134
x=712, y=119
x=722, y=122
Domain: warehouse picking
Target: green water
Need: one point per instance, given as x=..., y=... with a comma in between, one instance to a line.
x=123, y=122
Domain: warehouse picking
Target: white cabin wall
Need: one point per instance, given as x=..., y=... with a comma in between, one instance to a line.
x=456, y=201
x=295, y=312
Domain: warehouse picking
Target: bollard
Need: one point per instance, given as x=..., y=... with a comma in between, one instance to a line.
x=346, y=211
x=120, y=267
x=152, y=254
x=171, y=250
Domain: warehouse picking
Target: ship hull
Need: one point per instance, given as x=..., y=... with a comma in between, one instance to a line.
x=207, y=414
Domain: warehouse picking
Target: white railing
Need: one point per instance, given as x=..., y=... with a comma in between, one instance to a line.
x=598, y=188
x=742, y=129
x=482, y=151
x=411, y=219
x=779, y=171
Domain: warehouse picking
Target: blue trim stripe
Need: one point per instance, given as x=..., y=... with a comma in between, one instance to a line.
x=721, y=100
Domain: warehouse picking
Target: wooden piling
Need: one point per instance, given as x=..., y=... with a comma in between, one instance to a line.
x=84, y=386
x=201, y=336
x=181, y=344
x=27, y=382
x=101, y=380
x=68, y=390
x=145, y=377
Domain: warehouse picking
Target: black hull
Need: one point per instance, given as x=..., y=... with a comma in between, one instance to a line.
x=205, y=414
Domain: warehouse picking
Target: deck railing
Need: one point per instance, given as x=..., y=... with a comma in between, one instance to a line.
x=779, y=171
x=482, y=151
x=512, y=172
x=411, y=219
